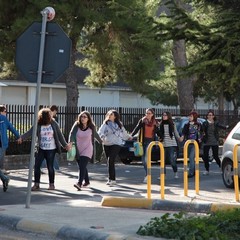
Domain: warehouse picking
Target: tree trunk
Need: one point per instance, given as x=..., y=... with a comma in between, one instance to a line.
x=184, y=83
x=72, y=92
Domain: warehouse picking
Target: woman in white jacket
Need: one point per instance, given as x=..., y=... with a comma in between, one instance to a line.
x=113, y=135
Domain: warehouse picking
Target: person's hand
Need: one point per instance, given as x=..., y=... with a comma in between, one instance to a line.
x=130, y=138
x=69, y=146
x=181, y=138
x=19, y=141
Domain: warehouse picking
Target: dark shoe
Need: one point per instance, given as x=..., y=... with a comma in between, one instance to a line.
x=35, y=188
x=86, y=184
x=77, y=186
x=51, y=187
x=5, y=184
x=190, y=175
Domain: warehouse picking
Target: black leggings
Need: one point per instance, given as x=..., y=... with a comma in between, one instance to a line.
x=206, y=149
x=83, y=172
x=111, y=154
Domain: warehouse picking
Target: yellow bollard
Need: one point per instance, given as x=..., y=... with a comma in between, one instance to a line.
x=235, y=171
x=149, y=164
x=185, y=163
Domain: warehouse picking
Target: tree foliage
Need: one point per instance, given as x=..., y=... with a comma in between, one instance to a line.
x=217, y=61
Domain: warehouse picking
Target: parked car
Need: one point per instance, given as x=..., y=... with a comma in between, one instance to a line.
x=232, y=139
x=127, y=151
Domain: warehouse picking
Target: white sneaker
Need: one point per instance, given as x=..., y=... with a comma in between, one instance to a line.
x=206, y=173
x=176, y=175
x=108, y=182
x=111, y=182
x=145, y=180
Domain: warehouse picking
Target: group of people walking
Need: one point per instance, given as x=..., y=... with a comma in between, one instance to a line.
x=111, y=135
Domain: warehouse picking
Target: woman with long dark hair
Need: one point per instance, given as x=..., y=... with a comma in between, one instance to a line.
x=211, y=139
x=113, y=134
x=147, y=128
x=83, y=133
x=169, y=136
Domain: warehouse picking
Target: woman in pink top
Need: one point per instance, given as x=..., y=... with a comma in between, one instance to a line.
x=83, y=133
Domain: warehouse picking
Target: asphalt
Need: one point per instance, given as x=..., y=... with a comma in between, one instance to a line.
x=101, y=212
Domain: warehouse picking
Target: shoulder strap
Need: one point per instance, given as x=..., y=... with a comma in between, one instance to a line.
x=140, y=136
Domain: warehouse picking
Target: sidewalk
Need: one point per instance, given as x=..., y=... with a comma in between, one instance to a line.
x=103, y=212
x=76, y=222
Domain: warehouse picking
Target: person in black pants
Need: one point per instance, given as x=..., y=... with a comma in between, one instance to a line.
x=113, y=135
x=211, y=139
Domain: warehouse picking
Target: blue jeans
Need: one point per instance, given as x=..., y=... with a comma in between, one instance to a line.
x=171, y=156
x=49, y=156
x=2, y=155
x=191, y=156
x=146, y=142
x=2, y=176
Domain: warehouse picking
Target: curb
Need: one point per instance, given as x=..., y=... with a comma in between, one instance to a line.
x=63, y=232
x=166, y=205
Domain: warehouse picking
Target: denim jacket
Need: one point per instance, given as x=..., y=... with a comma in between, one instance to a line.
x=4, y=126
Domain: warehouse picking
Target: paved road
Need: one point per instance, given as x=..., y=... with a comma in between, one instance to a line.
x=129, y=179
x=82, y=209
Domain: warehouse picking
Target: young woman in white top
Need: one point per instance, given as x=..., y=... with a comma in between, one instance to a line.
x=113, y=134
x=50, y=141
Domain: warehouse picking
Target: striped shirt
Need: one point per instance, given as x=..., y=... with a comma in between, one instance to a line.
x=167, y=140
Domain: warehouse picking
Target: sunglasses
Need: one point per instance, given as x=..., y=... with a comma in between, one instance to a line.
x=84, y=116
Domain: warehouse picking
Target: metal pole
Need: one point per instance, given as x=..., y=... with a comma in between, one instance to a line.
x=235, y=172
x=38, y=91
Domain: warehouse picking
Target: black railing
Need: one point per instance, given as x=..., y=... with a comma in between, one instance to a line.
x=22, y=116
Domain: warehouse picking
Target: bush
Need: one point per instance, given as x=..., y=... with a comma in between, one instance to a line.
x=222, y=225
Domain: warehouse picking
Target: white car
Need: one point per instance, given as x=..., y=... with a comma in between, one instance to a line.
x=233, y=138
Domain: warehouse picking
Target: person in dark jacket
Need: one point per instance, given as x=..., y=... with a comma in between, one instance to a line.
x=147, y=128
x=50, y=141
x=169, y=136
x=192, y=131
x=5, y=125
x=211, y=139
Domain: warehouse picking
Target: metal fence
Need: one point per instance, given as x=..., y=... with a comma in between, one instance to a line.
x=22, y=116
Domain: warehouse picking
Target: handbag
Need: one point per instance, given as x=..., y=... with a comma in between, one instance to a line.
x=138, y=147
x=71, y=154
